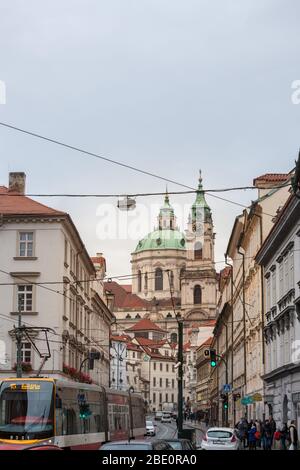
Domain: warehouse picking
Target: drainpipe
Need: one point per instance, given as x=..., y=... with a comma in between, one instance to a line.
x=231, y=303
x=262, y=291
x=244, y=323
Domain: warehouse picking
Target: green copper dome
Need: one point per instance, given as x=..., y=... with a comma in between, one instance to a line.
x=162, y=240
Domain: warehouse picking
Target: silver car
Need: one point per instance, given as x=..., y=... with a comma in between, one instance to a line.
x=221, y=439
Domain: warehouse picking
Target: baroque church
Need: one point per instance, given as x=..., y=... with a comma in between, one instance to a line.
x=173, y=274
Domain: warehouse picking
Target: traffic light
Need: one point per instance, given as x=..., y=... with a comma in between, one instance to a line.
x=84, y=411
x=92, y=356
x=236, y=396
x=224, y=397
x=213, y=357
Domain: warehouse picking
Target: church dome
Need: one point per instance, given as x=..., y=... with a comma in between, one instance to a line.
x=162, y=240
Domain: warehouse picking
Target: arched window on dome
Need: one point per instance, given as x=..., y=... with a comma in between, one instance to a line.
x=197, y=295
x=182, y=271
x=169, y=315
x=139, y=281
x=128, y=316
x=198, y=250
x=146, y=281
x=171, y=279
x=159, y=285
x=173, y=337
x=138, y=315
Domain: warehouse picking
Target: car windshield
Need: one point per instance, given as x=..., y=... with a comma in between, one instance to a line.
x=125, y=447
x=219, y=434
x=175, y=445
x=26, y=410
x=149, y=423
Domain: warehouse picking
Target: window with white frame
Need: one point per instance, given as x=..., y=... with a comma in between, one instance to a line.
x=25, y=244
x=273, y=299
x=291, y=269
x=66, y=251
x=286, y=273
x=26, y=352
x=72, y=308
x=281, y=286
x=268, y=292
x=25, y=297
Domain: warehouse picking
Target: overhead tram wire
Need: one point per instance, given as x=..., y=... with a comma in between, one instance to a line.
x=92, y=154
x=96, y=195
x=107, y=279
x=124, y=165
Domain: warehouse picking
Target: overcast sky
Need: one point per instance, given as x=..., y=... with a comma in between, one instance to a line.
x=169, y=86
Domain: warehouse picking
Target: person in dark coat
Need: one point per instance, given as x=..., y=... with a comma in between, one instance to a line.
x=252, y=437
x=273, y=428
x=284, y=436
x=266, y=435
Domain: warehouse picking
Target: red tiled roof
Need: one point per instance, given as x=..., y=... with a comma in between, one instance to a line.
x=98, y=260
x=12, y=203
x=207, y=342
x=187, y=346
x=145, y=325
x=149, y=342
x=127, y=287
x=134, y=347
x=271, y=178
x=124, y=298
x=121, y=338
x=155, y=355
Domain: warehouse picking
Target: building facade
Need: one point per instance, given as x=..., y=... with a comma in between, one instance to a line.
x=280, y=258
x=48, y=277
x=239, y=331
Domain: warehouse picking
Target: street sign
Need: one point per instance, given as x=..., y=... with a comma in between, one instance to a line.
x=206, y=352
x=226, y=388
x=146, y=358
x=247, y=400
x=256, y=397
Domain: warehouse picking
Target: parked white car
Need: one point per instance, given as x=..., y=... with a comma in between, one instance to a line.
x=150, y=429
x=166, y=418
x=221, y=439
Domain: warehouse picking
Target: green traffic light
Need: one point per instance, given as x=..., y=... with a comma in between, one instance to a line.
x=213, y=364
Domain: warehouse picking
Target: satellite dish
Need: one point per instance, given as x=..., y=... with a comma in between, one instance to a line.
x=126, y=203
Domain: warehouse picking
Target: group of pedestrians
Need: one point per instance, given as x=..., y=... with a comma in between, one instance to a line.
x=265, y=434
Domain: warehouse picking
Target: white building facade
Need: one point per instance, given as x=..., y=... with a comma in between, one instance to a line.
x=280, y=257
x=47, y=273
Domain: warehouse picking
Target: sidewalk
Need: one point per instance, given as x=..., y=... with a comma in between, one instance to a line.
x=201, y=426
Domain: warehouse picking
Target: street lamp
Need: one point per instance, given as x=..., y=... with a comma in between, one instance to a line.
x=130, y=433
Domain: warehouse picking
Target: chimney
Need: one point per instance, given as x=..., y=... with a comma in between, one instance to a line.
x=16, y=182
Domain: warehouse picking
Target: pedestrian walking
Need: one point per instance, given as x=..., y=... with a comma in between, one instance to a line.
x=266, y=435
x=273, y=428
x=243, y=430
x=258, y=426
x=293, y=436
x=277, y=439
x=252, y=437
x=284, y=436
